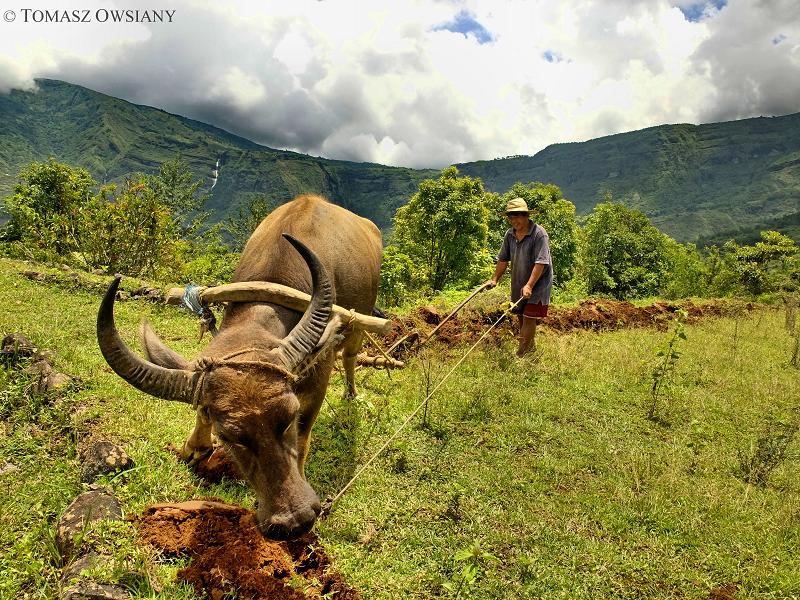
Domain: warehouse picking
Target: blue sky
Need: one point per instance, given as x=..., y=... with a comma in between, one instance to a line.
x=699, y=10
x=465, y=23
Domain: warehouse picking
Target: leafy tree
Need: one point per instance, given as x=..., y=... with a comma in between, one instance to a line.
x=131, y=231
x=46, y=205
x=687, y=272
x=174, y=188
x=213, y=263
x=443, y=228
x=397, y=273
x=248, y=216
x=552, y=211
x=624, y=255
x=765, y=266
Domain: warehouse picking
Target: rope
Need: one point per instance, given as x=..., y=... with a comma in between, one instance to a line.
x=328, y=504
x=207, y=364
x=378, y=346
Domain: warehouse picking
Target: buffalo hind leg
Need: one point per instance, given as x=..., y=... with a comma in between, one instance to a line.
x=199, y=443
x=349, y=353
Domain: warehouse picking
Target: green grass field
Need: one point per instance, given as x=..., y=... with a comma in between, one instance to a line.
x=533, y=478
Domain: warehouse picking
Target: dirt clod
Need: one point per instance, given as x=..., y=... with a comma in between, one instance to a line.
x=724, y=592
x=229, y=554
x=591, y=315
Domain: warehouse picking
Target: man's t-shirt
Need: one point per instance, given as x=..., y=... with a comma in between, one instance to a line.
x=532, y=249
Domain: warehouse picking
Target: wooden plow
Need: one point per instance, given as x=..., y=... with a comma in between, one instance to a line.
x=199, y=299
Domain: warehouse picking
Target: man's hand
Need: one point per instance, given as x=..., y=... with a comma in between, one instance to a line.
x=490, y=283
x=527, y=289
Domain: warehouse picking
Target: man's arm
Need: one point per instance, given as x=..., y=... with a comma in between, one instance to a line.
x=498, y=273
x=536, y=272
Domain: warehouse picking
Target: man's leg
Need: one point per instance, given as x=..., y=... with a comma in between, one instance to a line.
x=527, y=335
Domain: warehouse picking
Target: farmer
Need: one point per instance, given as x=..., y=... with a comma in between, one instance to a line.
x=527, y=246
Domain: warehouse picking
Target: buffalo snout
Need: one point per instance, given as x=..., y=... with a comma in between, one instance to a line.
x=288, y=526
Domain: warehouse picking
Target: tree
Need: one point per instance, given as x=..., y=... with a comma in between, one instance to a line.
x=443, y=228
x=624, y=255
x=552, y=211
x=766, y=265
x=687, y=272
x=131, y=231
x=174, y=188
x=46, y=205
x=397, y=273
x=248, y=216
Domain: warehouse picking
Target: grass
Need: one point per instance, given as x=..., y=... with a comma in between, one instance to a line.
x=548, y=464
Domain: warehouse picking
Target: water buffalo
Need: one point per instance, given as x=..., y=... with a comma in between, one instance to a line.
x=259, y=384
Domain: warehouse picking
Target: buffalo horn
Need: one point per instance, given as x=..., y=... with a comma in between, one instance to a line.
x=302, y=340
x=170, y=384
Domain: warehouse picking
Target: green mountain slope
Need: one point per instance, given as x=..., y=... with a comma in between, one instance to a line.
x=112, y=137
x=696, y=182
x=693, y=181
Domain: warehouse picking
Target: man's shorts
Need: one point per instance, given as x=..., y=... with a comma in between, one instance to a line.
x=535, y=311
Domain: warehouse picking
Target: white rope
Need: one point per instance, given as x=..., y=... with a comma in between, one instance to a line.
x=329, y=503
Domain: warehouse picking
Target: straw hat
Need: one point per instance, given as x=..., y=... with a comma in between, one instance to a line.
x=516, y=205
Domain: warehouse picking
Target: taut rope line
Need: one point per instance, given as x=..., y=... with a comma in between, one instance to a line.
x=328, y=504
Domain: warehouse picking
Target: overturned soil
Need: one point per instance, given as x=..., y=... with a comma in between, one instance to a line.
x=590, y=315
x=213, y=467
x=230, y=556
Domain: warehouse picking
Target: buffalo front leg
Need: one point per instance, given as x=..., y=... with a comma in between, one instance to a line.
x=199, y=444
x=349, y=353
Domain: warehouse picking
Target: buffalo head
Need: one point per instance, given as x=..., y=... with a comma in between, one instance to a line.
x=245, y=396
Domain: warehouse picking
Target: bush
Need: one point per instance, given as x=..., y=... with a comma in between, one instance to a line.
x=624, y=255
x=443, y=229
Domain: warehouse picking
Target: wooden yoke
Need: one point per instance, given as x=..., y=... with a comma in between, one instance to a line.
x=265, y=291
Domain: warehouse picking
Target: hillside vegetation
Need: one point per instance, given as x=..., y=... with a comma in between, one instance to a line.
x=696, y=183
x=540, y=478
x=693, y=181
x=112, y=138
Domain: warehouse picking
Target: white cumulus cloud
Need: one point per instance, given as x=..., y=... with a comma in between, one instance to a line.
x=426, y=83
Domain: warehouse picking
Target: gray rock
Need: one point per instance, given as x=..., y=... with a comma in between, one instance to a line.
x=17, y=345
x=91, y=560
x=90, y=506
x=101, y=458
x=41, y=367
x=56, y=381
x=8, y=468
x=90, y=590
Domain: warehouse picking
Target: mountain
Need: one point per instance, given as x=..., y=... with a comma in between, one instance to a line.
x=696, y=182
x=111, y=138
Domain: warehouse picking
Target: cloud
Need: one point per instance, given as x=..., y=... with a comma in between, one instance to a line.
x=427, y=84
x=748, y=71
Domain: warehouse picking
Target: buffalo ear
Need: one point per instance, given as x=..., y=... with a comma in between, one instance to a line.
x=158, y=352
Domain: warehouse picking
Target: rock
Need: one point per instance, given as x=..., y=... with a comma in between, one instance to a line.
x=91, y=560
x=430, y=314
x=41, y=367
x=56, y=381
x=98, y=272
x=101, y=458
x=16, y=345
x=34, y=275
x=89, y=590
x=8, y=468
x=88, y=507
